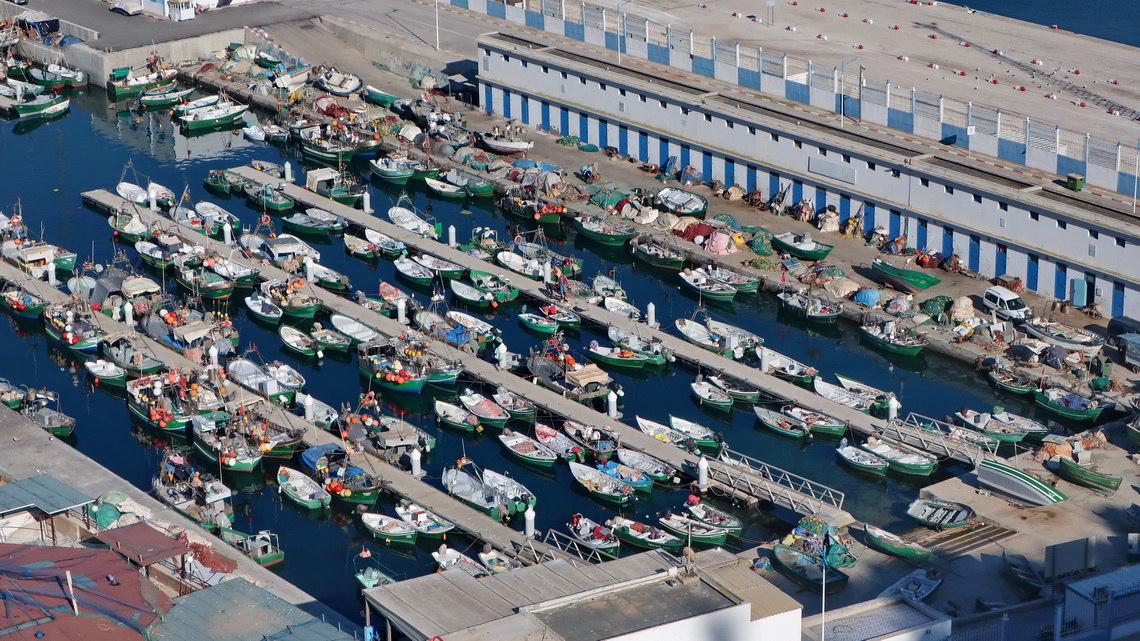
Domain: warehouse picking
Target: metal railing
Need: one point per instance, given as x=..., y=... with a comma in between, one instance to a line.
x=571, y=546
x=931, y=435
x=764, y=481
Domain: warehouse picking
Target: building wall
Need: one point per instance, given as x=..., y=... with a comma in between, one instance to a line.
x=729, y=624
x=975, y=224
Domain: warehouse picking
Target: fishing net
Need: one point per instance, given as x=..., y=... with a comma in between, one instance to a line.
x=813, y=525
x=935, y=306
x=570, y=141
x=588, y=147
x=761, y=243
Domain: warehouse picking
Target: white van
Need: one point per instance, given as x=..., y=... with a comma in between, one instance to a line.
x=1005, y=304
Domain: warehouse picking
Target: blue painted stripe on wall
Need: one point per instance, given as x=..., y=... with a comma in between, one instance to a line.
x=659, y=54
x=750, y=178
x=748, y=78
x=643, y=146
x=1011, y=151
x=613, y=41
x=545, y=116
x=844, y=208
x=535, y=20
x=574, y=30
x=565, y=124
x=488, y=99
x=704, y=66
x=955, y=135
x=974, y=260
x=623, y=140
x=729, y=172
x=773, y=185
x=820, y=199
x=900, y=120
x=506, y=104
x=462, y=4
x=496, y=9
x=947, y=242
x=922, y=231
x=852, y=107
x=1125, y=183
x=1067, y=165
x=1001, y=259
x=797, y=91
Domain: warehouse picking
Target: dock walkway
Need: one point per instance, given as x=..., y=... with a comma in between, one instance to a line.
x=781, y=487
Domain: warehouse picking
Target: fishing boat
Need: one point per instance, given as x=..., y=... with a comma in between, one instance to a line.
x=617, y=356
x=449, y=559
x=716, y=336
x=655, y=469
x=204, y=283
x=786, y=367
x=132, y=193
x=904, y=280
x=290, y=299
x=356, y=331
x=782, y=424
x=263, y=309
x=710, y=395
x=699, y=282
x=299, y=342
x=652, y=348
x=739, y=390
x=742, y=283
x=702, y=436
x=444, y=189
x=811, y=308
x=841, y=395
x=106, y=373
x=425, y=522
x=325, y=146
x=939, y=515
x=231, y=451
x=621, y=308
x=1085, y=475
x=1132, y=430
x=604, y=230
x=267, y=197
x=644, y=536
x=166, y=402
x=665, y=434
x=901, y=458
x=519, y=264
x=627, y=474
x=440, y=267
x=456, y=417
x=497, y=562
x=1019, y=570
x=593, y=535
x=394, y=169
x=597, y=441
x=516, y=405
x=330, y=340
x=277, y=382
x=1008, y=381
x=195, y=105
x=510, y=492
x=345, y=481
x=861, y=459
x=503, y=143
x=489, y=412
x=125, y=83
x=557, y=442
x=20, y=302
x=55, y=76
x=336, y=82
x=1070, y=405
x=1002, y=425
x=711, y=516
x=499, y=287
x=410, y=220
x=689, y=529
x=806, y=570
x=164, y=96
x=377, y=97
x=654, y=252
x=1021, y=487
x=262, y=547
x=389, y=528
x=216, y=116
x=816, y=422
x=474, y=185
x=540, y=323
x=42, y=408
x=527, y=449
x=801, y=246
x=1071, y=338
x=316, y=225
x=916, y=586
x=680, y=202
x=198, y=495
x=539, y=250
x=878, y=399
x=128, y=227
x=121, y=349
x=889, y=337
x=301, y=489
x=888, y=543
x=41, y=106
x=384, y=365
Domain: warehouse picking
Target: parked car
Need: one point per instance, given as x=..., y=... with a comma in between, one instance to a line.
x=1118, y=325
x=126, y=7
x=1006, y=304
x=19, y=2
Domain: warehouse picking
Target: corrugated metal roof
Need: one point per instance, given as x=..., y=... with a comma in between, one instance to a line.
x=143, y=544
x=43, y=492
x=766, y=599
x=237, y=610
x=1123, y=580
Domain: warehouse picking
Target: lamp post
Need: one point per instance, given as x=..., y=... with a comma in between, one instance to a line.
x=1135, y=173
x=437, y=25
x=621, y=25
x=842, y=90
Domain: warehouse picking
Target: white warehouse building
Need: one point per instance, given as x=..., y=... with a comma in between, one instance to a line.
x=1000, y=220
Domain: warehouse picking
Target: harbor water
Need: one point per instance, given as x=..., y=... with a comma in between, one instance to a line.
x=48, y=165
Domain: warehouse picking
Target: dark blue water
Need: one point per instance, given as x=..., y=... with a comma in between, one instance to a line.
x=1108, y=19
x=49, y=165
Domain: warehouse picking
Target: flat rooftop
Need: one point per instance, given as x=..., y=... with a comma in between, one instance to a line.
x=872, y=619
x=869, y=140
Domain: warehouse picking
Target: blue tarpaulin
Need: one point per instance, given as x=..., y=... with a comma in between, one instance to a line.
x=868, y=297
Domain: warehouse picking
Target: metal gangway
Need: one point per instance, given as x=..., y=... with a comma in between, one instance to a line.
x=763, y=481
x=940, y=439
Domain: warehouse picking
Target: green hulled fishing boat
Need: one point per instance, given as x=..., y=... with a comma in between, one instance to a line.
x=604, y=230
x=163, y=96
x=538, y=323
x=907, y=280
x=265, y=197
x=1068, y=404
x=894, y=545
x=377, y=97
x=801, y=246
x=1074, y=472
x=1007, y=381
x=806, y=570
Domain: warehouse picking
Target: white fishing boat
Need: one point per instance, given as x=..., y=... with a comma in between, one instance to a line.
x=621, y=308
x=411, y=221
x=833, y=392
x=1063, y=335
x=917, y=586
